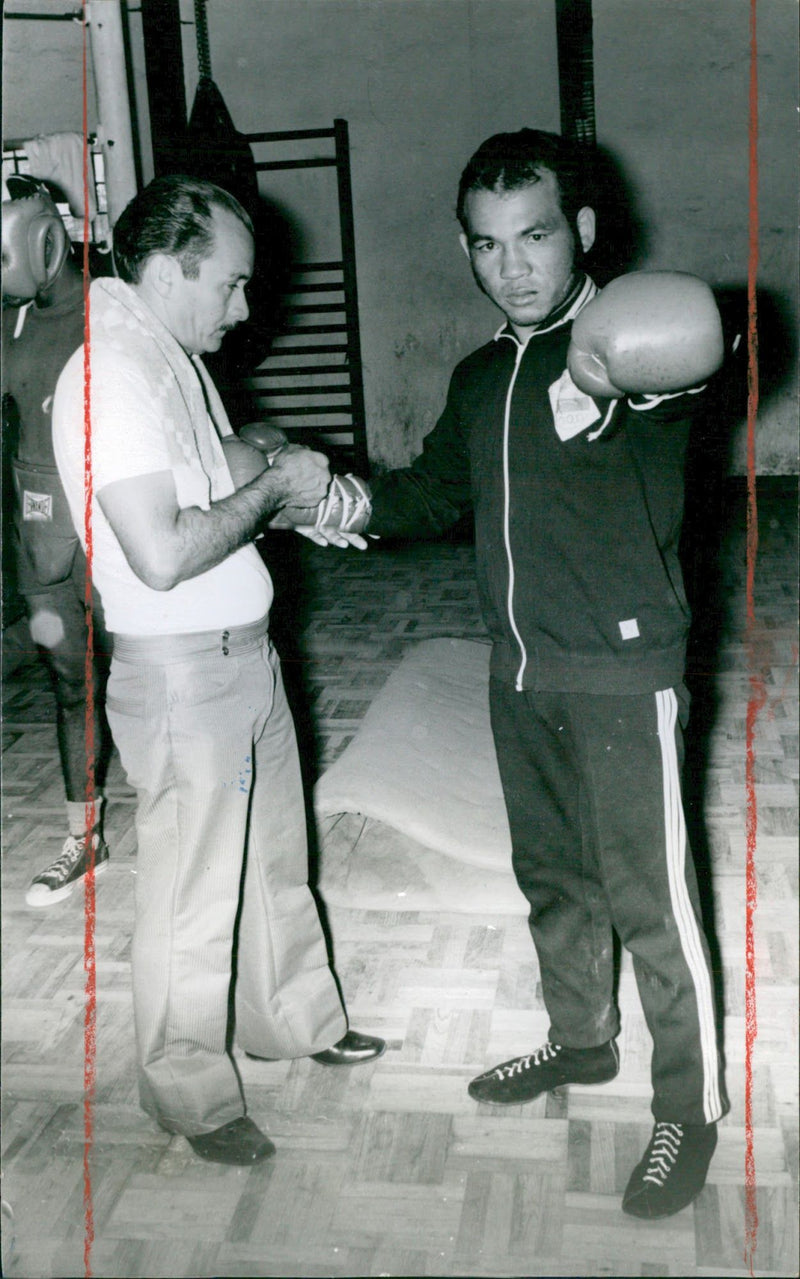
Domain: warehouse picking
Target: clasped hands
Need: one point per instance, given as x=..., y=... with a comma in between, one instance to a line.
x=329, y=510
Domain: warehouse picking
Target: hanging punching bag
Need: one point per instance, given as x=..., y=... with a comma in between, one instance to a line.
x=217, y=152
x=215, y=149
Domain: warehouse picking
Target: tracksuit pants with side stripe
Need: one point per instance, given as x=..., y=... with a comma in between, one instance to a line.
x=592, y=785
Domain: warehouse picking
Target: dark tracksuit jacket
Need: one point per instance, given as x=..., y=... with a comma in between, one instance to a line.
x=578, y=506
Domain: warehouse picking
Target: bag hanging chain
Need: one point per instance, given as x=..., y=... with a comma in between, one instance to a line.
x=201, y=34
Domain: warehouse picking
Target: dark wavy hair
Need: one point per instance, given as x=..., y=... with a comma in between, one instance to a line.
x=172, y=215
x=509, y=161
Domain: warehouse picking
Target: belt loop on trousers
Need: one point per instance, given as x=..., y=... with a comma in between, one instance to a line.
x=225, y=637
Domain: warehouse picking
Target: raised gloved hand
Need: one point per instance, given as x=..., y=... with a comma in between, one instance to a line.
x=35, y=243
x=339, y=519
x=646, y=333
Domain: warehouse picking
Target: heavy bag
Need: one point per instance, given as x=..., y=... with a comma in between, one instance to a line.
x=216, y=151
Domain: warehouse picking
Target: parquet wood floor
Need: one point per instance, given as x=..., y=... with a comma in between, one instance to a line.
x=390, y=1168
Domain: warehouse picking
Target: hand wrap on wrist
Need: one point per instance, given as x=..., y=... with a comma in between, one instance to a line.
x=347, y=506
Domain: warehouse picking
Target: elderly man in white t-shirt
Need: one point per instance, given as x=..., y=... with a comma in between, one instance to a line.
x=195, y=699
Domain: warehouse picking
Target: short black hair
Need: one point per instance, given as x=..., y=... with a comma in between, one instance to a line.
x=510, y=161
x=172, y=215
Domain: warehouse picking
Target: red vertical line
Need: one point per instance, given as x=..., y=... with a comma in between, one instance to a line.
x=89, y=957
x=757, y=688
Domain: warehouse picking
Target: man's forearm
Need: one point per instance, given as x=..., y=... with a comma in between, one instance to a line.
x=204, y=538
x=165, y=544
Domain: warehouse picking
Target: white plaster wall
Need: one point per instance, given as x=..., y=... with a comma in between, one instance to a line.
x=43, y=76
x=672, y=102
x=42, y=73
x=421, y=84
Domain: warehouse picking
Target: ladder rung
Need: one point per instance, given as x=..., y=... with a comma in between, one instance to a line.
x=316, y=308
x=299, y=267
x=306, y=390
x=319, y=287
x=324, y=348
x=340, y=410
x=293, y=370
x=272, y=165
x=290, y=135
x=300, y=329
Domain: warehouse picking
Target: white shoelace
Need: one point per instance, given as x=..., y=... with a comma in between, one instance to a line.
x=666, y=1144
x=71, y=853
x=547, y=1052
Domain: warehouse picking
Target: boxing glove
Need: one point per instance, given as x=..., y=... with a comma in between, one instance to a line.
x=252, y=451
x=646, y=333
x=244, y=462
x=260, y=435
x=35, y=245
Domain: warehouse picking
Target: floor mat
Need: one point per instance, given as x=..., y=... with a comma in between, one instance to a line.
x=411, y=815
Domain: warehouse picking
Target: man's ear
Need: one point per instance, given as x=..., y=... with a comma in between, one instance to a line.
x=587, y=226
x=159, y=272
x=464, y=242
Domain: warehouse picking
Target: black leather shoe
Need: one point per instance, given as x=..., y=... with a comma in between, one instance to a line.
x=351, y=1050
x=239, y=1142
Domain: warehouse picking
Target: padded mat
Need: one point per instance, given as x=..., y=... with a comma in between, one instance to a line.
x=411, y=815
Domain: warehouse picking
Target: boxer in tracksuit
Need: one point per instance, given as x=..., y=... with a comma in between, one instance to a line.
x=577, y=500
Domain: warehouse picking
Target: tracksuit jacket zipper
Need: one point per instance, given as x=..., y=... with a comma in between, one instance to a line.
x=587, y=291
x=521, y=347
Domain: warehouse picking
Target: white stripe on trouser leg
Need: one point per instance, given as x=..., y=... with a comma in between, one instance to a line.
x=688, y=931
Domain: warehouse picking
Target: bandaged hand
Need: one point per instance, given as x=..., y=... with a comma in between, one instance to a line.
x=338, y=520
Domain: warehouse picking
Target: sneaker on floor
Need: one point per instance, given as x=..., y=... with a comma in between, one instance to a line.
x=524, y=1078
x=672, y=1170
x=58, y=880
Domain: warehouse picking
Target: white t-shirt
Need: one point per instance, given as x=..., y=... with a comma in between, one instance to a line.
x=127, y=441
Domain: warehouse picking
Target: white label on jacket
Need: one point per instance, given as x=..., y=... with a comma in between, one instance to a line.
x=573, y=411
x=37, y=506
x=629, y=629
